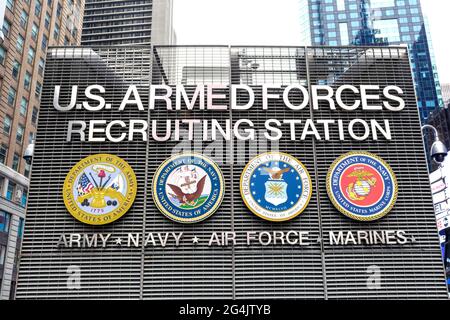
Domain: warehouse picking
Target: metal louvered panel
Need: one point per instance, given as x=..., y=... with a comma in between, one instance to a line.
x=317, y=271
x=44, y=271
x=401, y=269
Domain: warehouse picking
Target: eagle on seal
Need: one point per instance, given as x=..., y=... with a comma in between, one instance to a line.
x=185, y=198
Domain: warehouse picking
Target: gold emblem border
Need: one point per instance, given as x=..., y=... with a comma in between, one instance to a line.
x=68, y=189
x=345, y=212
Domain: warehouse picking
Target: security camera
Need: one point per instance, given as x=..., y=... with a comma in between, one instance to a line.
x=439, y=151
x=28, y=155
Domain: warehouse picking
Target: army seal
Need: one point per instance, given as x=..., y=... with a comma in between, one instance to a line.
x=100, y=189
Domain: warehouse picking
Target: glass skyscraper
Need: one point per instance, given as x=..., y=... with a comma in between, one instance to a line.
x=377, y=22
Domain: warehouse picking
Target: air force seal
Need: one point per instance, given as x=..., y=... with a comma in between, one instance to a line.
x=188, y=188
x=362, y=186
x=100, y=189
x=276, y=186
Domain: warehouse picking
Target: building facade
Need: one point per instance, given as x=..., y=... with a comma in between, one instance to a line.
x=75, y=263
x=378, y=22
x=440, y=184
x=446, y=93
x=28, y=28
x=126, y=22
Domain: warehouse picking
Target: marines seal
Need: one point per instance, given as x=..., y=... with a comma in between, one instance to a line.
x=362, y=186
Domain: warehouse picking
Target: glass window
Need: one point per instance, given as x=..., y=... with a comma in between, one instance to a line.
x=41, y=66
x=38, y=8
x=58, y=10
x=26, y=173
x=11, y=96
x=44, y=43
x=6, y=27
x=23, y=107
x=23, y=200
x=21, y=225
x=15, y=166
x=31, y=54
x=343, y=28
x=38, y=89
x=430, y=104
x=31, y=138
x=388, y=29
x=47, y=21
x=341, y=5
x=23, y=19
x=34, y=32
x=20, y=133
x=19, y=43
x=16, y=69
x=5, y=219
x=10, y=4
x=7, y=123
x=27, y=81
x=3, y=153
x=10, y=190
x=56, y=32
x=382, y=3
x=406, y=38
x=34, y=116
x=2, y=55
x=2, y=255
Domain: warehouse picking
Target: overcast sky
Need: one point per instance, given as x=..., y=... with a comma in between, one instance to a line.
x=269, y=22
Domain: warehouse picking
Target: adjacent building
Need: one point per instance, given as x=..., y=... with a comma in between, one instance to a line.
x=128, y=22
x=380, y=23
x=28, y=29
x=440, y=184
x=446, y=93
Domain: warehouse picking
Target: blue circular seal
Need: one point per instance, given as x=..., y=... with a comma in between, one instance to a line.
x=276, y=186
x=362, y=186
x=188, y=188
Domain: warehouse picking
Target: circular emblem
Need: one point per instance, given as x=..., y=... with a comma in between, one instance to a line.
x=276, y=186
x=362, y=186
x=100, y=189
x=188, y=188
